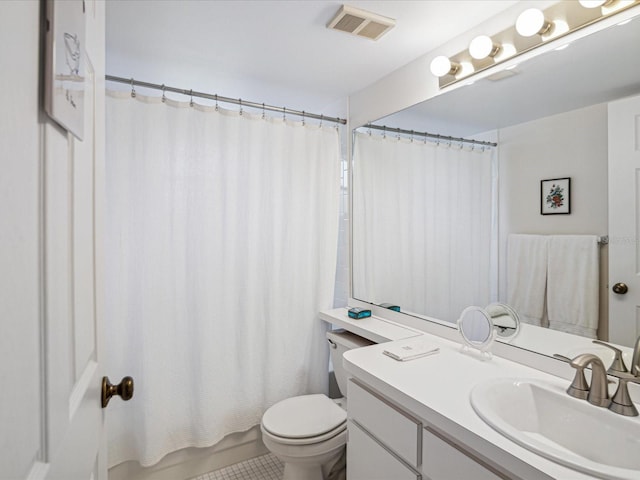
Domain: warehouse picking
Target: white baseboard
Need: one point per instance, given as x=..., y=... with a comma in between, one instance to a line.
x=191, y=462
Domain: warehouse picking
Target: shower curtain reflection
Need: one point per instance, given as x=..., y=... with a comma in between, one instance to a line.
x=221, y=249
x=422, y=225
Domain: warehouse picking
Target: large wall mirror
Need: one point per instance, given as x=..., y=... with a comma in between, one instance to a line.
x=431, y=238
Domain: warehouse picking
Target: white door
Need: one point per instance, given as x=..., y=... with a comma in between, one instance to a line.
x=20, y=266
x=624, y=221
x=73, y=267
x=51, y=264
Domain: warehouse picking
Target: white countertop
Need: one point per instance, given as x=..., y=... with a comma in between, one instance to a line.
x=372, y=328
x=436, y=388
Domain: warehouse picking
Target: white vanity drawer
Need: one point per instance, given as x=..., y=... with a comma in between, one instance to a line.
x=396, y=429
x=443, y=460
x=368, y=460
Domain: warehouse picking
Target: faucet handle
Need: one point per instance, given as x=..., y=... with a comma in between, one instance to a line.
x=635, y=362
x=621, y=402
x=579, y=388
x=617, y=366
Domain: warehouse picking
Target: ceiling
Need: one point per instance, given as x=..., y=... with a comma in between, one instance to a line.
x=278, y=52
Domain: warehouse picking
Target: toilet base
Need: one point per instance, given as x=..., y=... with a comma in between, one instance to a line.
x=316, y=468
x=307, y=461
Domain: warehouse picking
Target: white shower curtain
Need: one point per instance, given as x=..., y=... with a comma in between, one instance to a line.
x=221, y=249
x=422, y=224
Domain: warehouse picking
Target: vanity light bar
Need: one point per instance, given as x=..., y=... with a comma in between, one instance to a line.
x=533, y=28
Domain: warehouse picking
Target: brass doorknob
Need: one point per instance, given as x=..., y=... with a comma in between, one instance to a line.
x=620, y=288
x=124, y=389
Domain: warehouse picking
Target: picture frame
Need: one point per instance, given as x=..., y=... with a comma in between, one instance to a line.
x=65, y=64
x=555, y=196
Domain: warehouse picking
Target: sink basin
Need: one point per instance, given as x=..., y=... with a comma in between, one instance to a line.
x=541, y=417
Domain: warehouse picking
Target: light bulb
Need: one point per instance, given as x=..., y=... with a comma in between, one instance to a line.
x=507, y=50
x=532, y=22
x=483, y=47
x=441, y=66
x=592, y=3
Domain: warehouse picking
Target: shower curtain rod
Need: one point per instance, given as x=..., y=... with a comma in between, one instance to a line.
x=435, y=136
x=219, y=98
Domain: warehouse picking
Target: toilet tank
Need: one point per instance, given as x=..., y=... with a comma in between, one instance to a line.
x=340, y=341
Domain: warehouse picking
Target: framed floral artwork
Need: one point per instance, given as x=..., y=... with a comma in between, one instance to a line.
x=555, y=196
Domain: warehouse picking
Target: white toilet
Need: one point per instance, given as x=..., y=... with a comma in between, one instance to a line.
x=309, y=433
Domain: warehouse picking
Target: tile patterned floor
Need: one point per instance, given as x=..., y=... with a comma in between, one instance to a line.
x=266, y=467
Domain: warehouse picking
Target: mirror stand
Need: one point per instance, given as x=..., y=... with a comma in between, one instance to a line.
x=477, y=331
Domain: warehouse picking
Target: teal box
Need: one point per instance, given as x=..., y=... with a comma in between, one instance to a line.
x=359, y=313
x=390, y=306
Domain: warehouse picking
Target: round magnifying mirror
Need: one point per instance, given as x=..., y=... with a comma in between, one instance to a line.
x=506, y=322
x=476, y=328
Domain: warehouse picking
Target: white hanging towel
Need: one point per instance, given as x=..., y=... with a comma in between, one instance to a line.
x=527, y=276
x=573, y=283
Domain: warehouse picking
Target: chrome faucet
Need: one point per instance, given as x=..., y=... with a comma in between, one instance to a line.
x=598, y=393
x=598, y=390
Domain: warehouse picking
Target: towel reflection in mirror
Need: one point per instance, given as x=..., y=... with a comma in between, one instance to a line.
x=553, y=281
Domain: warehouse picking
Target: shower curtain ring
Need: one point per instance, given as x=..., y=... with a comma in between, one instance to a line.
x=164, y=98
x=411, y=136
x=284, y=114
x=321, y=119
x=133, y=90
x=384, y=132
x=263, y=112
x=303, y=122
x=240, y=100
x=191, y=100
x=216, y=96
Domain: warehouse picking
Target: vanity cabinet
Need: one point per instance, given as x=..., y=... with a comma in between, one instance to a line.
x=387, y=442
x=398, y=430
x=369, y=459
x=443, y=459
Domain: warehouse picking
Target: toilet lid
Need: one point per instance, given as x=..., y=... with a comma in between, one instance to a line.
x=304, y=416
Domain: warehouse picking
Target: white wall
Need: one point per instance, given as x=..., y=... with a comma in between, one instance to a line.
x=572, y=144
x=20, y=426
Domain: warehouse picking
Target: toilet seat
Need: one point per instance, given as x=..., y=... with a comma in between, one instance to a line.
x=304, y=420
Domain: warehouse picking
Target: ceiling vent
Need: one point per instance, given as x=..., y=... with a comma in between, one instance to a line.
x=361, y=23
